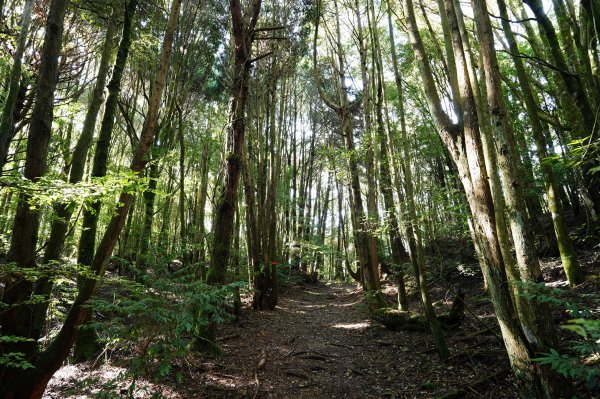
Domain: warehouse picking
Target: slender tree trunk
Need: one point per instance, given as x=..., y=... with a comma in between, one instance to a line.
x=89, y=226
x=14, y=84
x=399, y=254
x=87, y=343
x=567, y=252
x=223, y=224
x=32, y=382
x=576, y=89
x=363, y=243
x=63, y=212
x=16, y=320
x=470, y=165
x=144, y=258
x=368, y=143
x=537, y=316
x=182, y=221
x=200, y=228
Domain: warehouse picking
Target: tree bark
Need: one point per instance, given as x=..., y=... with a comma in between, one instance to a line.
x=14, y=84
x=243, y=29
x=63, y=212
x=464, y=146
x=31, y=383
x=26, y=223
x=87, y=344
x=576, y=89
x=537, y=317
x=567, y=252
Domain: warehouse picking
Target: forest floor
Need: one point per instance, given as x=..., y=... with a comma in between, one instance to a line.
x=321, y=343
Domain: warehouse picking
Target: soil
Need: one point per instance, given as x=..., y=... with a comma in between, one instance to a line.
x=321, y=343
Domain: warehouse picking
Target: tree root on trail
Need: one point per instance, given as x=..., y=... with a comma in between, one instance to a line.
x=298, y=374
x=341, y=345
x=397, y=320
x=471, y=388
x=309, y=354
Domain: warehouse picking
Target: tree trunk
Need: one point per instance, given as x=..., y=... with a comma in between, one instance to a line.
x=575, y=88
x=14, y=84
x=225, y=209
x=31, y=383
x=63, y=212
x=470, y=164
x=87, y=342
x=22, y=252
x=200, y=228
x=567, y=252
x=399, y=254
x=537, y=317
x=363, y=239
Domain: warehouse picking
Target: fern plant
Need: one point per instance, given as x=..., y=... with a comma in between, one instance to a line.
x=158, y=320
x=584, y=361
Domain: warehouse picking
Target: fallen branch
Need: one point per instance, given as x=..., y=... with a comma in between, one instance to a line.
x=468, y=310
x=304, y=386
x=308, y=353
x=289, y=353
x=356, y=371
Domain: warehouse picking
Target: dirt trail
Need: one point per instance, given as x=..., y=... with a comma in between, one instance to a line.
x=319, y=343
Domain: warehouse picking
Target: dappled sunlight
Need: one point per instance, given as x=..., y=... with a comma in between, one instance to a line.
x=310, y=305
x=105, y=381
x=352, y=326
x=285, y=309
x=227, y=381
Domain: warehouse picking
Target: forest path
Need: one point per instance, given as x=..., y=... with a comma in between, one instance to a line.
x=319, y=343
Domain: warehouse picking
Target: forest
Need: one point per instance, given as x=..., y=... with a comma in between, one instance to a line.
x=299, y=199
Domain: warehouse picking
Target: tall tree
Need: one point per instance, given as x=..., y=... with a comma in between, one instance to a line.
x=344, y=109
x=243, y=35
x=464, y=145
x=31, y=383
x=8, y=109
x=26, y=223
x=565, y=244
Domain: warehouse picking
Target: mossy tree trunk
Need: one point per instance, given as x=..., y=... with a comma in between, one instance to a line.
x=464, y=146
x=87, y=343
x=565, y=244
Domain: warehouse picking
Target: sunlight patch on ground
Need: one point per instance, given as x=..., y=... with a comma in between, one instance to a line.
x=288, y=310
x=228, y=382
x=352, y=326
x=78, y=381
x=558, y=284
x=320, y=304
